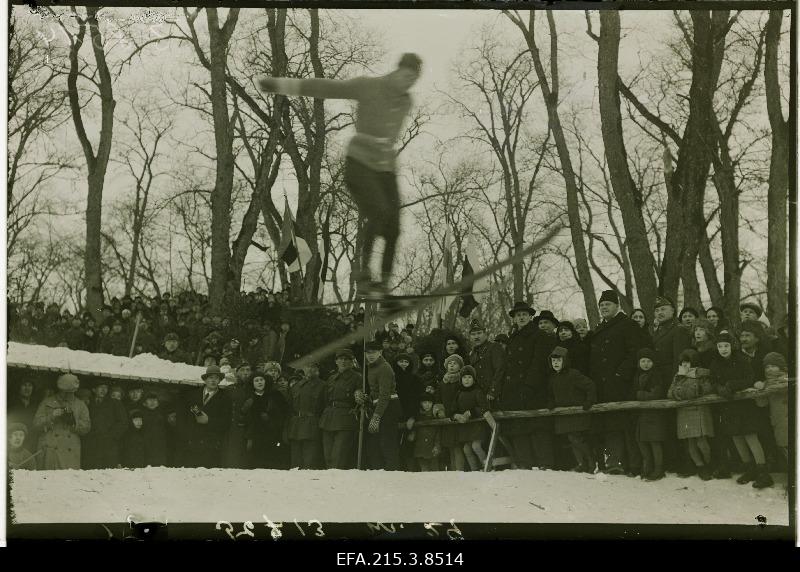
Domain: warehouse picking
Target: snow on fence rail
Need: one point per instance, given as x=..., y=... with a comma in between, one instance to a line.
x=141, y=368
x=620, y=406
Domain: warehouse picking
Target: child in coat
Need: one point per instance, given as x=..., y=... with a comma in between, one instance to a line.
x=695, y=423
x=448, y=391
x=426, y=440
x=471, y=403
x=18, y=456
x=732, y=371
x=776, y=372
x=651, y=425
x=570, y=388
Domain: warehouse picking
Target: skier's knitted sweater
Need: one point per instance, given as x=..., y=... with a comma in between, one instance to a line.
x=380, y=113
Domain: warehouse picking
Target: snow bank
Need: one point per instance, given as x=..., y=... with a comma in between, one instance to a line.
x=203, y=495
x=144, y=367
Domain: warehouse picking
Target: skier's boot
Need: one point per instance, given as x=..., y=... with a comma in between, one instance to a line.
x=763, y=478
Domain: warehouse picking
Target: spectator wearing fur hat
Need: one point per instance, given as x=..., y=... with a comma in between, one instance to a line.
x=732, y=371
x=339, y=421
x=530, y=440
x=62, y=420
x=204, y=418
x=428, y=367
x=695, y=423
x=306, y=402
x=449, y=385
x=103, y=443
x=776, y=373
x=488, y=359
x=615, y=344
x=426, y=438
x=750, y=311
x=383, y=440
x=651, y=425
x=18, y=455
x=570, y=388
x=471, y=403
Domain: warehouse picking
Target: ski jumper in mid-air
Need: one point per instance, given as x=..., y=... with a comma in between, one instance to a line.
x=370, y=167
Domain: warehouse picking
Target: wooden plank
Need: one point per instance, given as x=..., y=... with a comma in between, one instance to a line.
x=487, y=466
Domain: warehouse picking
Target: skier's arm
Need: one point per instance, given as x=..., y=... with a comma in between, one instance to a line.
x=319, y=88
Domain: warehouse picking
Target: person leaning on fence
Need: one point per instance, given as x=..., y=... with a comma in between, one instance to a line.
x=339, y=420
x=471, y=403
x=694, y=423
x=732, y=371
x=651, y=425
x=63, y=420
x=570, y=388
x=426, y=439
x=776, y=373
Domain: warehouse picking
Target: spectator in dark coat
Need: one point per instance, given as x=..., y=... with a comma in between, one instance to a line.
x=306, y=400
x=570, y=388
x=427, y=445
x=172, y=350
x=488, y=359
x=409, y=390
x=234, y=454
x=578, y=348
x=204, y=419
x=651, y=425
x=383, y=440
x=103, y=443
x=717, y=319
x=732, y=371
x=471, y=403
x=524, y=387
x=134, y=446
x=265, y=413
x=640, y=318
x=22, y=404
x=615, y=345
x=117, y=342
x=154, y=432
x=339, y=421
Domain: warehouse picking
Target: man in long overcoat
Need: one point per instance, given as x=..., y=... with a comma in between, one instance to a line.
x=204, y=421
x=524, y=388
x=615, y=344
x=488, y=359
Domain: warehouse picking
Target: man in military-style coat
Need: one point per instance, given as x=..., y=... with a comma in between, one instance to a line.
x=525, y=388
x=306, y=398
x=669, y=339
x=615, y=345
x=488, y=359
x=339, y=421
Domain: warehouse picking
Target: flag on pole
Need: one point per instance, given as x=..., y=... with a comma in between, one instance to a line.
x=293, y=249
x=470, y=263
x=446, y=270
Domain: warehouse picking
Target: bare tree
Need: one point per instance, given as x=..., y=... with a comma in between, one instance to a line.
x=777, y=299
x=550, y=95
x=96, y=160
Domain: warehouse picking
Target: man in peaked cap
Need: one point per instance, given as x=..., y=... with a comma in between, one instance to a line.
x=613, y=362
x=488, y=360
x=339, y=420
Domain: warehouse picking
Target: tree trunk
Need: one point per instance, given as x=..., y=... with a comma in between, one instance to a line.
x=219, y=288
x=685, y=219
x=628, y=196
x=710, y=272
x=97, y=164
x=573, y=209
x=777, y=293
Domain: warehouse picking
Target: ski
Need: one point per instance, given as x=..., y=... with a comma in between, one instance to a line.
x=387, y=298
x=444, y=291
x=492, y=446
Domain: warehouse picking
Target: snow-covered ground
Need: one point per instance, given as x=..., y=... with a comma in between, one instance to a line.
x=141, y=367
x=203, y=495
